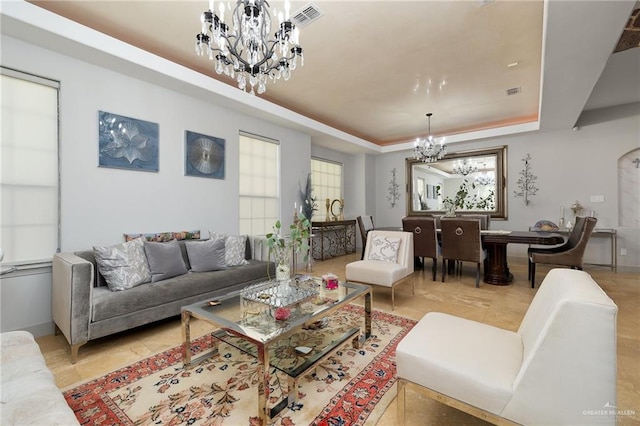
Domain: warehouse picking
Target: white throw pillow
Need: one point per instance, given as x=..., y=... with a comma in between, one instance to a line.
x=123, y=266
x=384, y=248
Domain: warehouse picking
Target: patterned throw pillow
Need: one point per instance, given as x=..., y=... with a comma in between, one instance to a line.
x=165, y=236
x=384, y=248
x=123, y=266
x=235, y=247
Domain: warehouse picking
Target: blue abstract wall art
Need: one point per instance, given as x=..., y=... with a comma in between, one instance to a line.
x=127, y=143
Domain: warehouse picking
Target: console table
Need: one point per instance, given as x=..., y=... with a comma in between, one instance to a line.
x=335, y=238
x=610, y=233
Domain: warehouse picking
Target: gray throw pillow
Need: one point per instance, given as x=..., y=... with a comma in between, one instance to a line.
x=123, y=266
x=206, y=255
x=165, y=260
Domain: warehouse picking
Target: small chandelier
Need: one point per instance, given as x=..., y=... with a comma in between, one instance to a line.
x=245, y=51
x=464, y=168
x=428, y=150
x=485, y=178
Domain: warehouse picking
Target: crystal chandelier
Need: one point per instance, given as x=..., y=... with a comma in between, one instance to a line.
x=485, y=178
x=428, y=150
x=245, y=52
x=464, y=168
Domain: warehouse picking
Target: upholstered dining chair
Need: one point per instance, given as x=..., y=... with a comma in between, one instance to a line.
x=388, y=261
x=485, y=219
x=461, y=241
x=425, y=238
x=365, y=223
x=569, y=254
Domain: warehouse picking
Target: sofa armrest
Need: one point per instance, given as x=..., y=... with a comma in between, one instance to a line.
x=259, y=249
x=72, y=285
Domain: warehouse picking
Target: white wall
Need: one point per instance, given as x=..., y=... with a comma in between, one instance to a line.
x=25, y=300
x=98, y=204
x=570, y=165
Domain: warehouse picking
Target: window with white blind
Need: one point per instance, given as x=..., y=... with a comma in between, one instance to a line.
x=29, y=196
x=258, y=182
x=326, y=181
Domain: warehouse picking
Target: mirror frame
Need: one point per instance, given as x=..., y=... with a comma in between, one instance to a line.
x=500, y=152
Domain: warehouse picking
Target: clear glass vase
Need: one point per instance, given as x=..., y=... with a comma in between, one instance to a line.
x=283, y=271
x=450, y=209
x=283, y=257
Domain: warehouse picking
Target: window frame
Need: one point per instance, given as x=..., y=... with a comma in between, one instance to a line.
x=320, y=214
x=19, y=266
x=241, y=197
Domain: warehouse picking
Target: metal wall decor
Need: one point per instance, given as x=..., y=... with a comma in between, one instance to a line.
x=393, y=193
x=526, y=181
x=127, y=143
x=204, y=155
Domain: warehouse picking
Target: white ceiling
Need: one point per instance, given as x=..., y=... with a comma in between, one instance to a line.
x=374, y=68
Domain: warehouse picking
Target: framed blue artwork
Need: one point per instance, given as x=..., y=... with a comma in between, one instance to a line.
x=204, y=156
x=127, y=143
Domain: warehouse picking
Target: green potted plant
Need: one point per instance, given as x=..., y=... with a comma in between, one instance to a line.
x=282, y=247
x=309, y=204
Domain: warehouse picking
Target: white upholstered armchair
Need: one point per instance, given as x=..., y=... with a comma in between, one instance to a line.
x=387, y=260
x=559, y=368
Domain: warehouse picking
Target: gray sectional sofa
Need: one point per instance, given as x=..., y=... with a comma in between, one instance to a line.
x=84, y=308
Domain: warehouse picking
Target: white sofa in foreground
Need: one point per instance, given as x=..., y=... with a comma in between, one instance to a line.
x=28, y=393
x=559, y=368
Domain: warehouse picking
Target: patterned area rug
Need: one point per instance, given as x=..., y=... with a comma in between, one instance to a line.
x=349, y=388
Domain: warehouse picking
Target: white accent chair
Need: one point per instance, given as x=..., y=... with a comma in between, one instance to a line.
x=559, y=368
x=381, y=272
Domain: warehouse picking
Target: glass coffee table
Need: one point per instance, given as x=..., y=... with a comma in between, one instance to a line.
x=247, y=321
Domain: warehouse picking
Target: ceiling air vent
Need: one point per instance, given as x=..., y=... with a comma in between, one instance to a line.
x=306, y=15
x=513, y=91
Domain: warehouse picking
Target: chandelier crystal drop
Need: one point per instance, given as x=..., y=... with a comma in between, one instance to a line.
x=464, y=168
x=428, y=149
x=244, y=50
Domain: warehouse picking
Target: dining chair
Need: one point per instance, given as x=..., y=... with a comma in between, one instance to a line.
x=461, y=241
x=365, y=223
x=569, y=254
x=425, y=239
x=485, y=219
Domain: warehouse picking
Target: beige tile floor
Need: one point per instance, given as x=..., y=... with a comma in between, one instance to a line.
x=500, y=306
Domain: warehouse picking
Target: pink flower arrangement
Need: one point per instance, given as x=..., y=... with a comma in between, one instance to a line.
x=330, y=281
x=282, y=314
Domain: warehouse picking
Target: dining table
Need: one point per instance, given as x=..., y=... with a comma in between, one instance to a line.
x=496, y=268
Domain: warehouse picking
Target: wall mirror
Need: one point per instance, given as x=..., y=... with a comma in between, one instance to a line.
x=470, y=181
